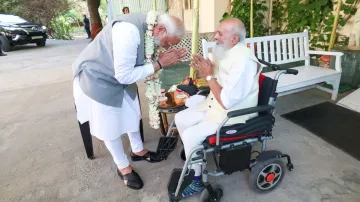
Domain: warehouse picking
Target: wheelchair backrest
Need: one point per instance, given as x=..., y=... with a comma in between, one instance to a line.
x=265, y=89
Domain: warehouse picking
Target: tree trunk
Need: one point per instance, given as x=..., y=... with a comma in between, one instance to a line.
x=229, y=6
x=96, y=25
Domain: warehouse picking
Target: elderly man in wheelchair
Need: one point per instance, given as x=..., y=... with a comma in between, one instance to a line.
x=236, y=113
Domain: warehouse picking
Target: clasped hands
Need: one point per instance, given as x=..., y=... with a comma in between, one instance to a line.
x=203, y=66
x=171, y=57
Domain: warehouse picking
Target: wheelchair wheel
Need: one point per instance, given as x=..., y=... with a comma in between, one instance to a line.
x=182, y=153
x=205, y=196
x=267, y=175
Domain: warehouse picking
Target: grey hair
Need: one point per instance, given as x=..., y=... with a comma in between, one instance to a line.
x=241, y=32
x=171, y=26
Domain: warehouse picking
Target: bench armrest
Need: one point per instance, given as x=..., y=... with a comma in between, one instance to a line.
x=251, y=110
x=325, y=53
x=336, y=54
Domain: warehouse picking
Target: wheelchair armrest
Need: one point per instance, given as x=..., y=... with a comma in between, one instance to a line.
x=203, y=91
x=251, y=110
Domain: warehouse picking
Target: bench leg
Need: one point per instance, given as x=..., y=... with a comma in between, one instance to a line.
x=87, y=139
x=335, y=91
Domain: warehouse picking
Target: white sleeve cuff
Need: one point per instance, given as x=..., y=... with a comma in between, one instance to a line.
x=225, y=99
x=149, y=69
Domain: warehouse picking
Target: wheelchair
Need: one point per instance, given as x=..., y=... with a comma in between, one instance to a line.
x=231, y=148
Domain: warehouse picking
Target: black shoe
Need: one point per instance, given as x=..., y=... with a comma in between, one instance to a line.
x=150, y=157
x=3, y=54
x=134, y=180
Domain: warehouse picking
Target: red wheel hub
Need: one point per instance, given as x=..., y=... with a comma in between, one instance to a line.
x=270, y=177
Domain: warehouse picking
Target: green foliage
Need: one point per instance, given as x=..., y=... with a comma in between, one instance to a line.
x=62, y=28
x=241, y=10
x=11, y=7
x=43, y=12
x=291, y=16
x=102, y=11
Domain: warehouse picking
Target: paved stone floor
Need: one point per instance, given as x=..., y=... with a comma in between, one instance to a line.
x=43, y=158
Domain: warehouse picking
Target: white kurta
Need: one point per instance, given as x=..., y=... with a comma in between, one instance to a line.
x=106, y=122
x=191, y=123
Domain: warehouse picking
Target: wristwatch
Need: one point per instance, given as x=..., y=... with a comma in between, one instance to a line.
x=208, y=78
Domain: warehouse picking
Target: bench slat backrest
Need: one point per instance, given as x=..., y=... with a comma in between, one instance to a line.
x=276, y=49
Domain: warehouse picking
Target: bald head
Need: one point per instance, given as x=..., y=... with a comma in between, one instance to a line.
x=230, y=32
x=236, y=27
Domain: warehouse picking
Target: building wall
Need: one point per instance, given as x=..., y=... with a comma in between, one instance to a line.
x=210, y=13
x=137, y=6
x=206, y=16
x=348, y=27
x=221, y=7
x=175, y=8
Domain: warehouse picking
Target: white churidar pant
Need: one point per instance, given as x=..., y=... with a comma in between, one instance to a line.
x=193, y=128
x=109, y=123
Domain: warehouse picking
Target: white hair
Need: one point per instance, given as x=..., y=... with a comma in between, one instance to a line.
x=172, y=28
x=241, y=32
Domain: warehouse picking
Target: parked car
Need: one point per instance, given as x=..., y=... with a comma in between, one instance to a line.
x=15, y=30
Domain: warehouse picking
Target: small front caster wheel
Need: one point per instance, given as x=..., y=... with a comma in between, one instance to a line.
x=205, y=196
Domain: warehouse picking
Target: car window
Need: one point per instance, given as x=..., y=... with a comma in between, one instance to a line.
x=11, y=19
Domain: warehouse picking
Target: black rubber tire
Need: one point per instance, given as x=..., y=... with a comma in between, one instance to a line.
x=204, y=197
x=259, y=166
x=41, y=43
x=5, y=44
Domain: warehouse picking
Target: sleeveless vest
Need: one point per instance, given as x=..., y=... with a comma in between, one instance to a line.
x=214, y=111
x=95, y=64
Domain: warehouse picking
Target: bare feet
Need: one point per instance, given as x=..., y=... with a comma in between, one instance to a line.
x=125, y=171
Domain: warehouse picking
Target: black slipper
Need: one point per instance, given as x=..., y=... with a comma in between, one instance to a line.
x=134, y=180
x=154, y=157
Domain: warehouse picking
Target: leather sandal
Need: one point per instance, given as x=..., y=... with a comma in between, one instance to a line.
x=133, y=180
x=154, y=157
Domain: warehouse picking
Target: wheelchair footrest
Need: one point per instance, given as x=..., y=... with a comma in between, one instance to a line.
x=166, y=145
x=173, y=182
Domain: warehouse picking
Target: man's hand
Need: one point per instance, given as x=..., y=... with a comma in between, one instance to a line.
x=204, y=66
x=171, y=57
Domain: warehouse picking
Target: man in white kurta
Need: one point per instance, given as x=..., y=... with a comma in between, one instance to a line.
x=233, y=82
x=108, y=123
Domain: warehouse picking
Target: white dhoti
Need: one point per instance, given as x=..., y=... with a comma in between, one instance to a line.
x=193, y=127
x=109, y=123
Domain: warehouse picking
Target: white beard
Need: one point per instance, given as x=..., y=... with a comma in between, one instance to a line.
x=157, y=40
x=220, y=50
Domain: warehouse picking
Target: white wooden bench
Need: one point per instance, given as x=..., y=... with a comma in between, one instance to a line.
x=288, y=48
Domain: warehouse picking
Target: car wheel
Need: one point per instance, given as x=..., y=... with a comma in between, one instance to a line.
x=41, y=43
x=5, y=44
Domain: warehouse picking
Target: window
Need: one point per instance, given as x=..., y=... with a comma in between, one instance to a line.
x=188, y=4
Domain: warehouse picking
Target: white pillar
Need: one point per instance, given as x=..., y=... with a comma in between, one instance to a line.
x=110, y=10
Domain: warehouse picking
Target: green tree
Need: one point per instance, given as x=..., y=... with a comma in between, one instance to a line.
x=241, y=10
x=291, y=16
